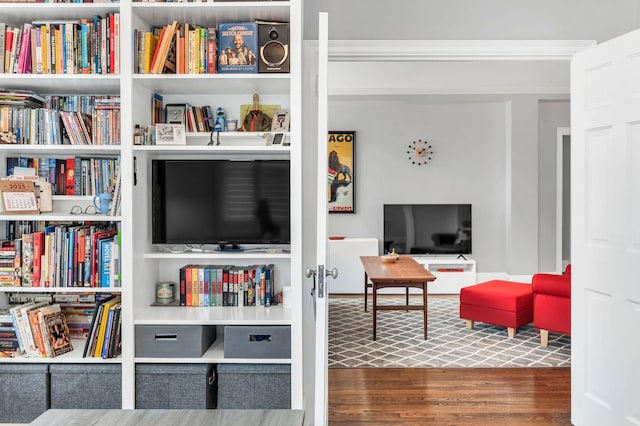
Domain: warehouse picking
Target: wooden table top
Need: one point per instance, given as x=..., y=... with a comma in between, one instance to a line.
x=404, y=270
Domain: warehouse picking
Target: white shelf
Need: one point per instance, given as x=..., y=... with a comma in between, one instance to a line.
x=19, y=13
x=73, y=357
x=60, y=289
x=75, y=150
x=220, y=84
x=210, y=14
x=218, y=255
x=62, y=217
x=55, y=84
x=214, y=355
x=217, y=315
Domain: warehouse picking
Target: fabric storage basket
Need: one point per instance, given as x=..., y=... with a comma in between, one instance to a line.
x=176, y=386
x=86, y=386
x=24, y=392
x=254, y=386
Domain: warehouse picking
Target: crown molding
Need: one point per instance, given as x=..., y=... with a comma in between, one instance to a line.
x=450, y=50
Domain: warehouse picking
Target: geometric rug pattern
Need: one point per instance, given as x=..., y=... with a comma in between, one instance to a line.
x=400, y=340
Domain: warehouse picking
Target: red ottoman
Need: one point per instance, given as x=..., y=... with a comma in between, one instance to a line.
x=498, y=302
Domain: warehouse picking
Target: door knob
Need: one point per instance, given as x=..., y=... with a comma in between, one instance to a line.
x=310, y=272
x=332, y=273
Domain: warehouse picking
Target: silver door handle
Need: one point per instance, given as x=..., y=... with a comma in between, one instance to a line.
x=333, y=273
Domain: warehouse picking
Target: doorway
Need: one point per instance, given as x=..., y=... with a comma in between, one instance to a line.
x=563, y=198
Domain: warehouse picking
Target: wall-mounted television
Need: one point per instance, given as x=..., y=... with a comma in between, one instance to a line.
x=427, y=228
x=223, y=202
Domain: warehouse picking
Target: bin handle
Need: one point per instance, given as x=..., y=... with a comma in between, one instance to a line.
x=166, y=337
x=259, y=337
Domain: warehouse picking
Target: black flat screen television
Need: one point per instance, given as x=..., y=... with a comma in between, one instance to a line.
x=221, y=202
x=427, y=228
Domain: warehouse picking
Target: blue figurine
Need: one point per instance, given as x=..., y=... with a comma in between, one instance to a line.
x=220, y=120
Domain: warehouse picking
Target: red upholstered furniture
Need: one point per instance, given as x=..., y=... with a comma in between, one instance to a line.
x=552, y=304
x=498, y=302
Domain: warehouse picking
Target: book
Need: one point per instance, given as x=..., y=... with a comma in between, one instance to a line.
x=212, y=50
x=57, y=330
x=237, y=44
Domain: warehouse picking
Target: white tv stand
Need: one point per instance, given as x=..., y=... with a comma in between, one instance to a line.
x=452, y=273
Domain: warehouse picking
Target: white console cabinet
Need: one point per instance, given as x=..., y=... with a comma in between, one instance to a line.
x=451, y=274
x=345, y=256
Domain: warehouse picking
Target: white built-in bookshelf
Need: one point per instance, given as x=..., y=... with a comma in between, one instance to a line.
x=142, y=264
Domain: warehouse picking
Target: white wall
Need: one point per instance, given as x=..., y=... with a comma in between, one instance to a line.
x=472, y=19
x=485, y=153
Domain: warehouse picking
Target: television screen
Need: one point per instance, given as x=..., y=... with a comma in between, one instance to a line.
x=220, y=202
x=427, y=228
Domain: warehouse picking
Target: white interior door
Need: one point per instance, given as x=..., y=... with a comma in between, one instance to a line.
x=605, y=229
x=322, y=279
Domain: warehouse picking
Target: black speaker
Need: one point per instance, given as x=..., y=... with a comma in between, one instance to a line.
x=273, y=44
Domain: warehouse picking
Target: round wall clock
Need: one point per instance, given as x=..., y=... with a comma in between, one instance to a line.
x=419, y=152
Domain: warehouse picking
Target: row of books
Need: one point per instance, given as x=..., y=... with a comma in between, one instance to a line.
x=184, y=48
x=44, y=126
x=73, y=175
x=78, y=308
x=84, y=46
x=104, y=336
x=40, y=330
x=62, y=256
x=227, y=285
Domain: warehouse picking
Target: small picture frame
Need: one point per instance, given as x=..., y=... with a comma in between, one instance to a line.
x=278, y=139
x=280, y=121
x=170, y=134
x=176, y=113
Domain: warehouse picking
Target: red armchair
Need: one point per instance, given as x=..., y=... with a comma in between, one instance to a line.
x=552, y=304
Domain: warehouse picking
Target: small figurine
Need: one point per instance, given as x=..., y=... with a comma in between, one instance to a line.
x=256, y=120
x=220, y=120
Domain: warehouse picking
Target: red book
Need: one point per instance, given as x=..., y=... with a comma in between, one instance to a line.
x=69, y=177
x=212, y=50
x=187, y=287
x=112, y=44
x=38, y=252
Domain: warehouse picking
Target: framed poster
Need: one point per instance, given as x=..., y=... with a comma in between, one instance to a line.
x=340, y=186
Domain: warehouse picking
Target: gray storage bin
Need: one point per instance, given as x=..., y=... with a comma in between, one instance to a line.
x=86, y=386
x=175, y=386
x=174, y=341
x=257, y=341
x=24, y=392
x=254, y=386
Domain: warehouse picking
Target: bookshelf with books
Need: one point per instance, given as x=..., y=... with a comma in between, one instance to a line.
x=69, y=114
x=201, y=88
x=143, y=264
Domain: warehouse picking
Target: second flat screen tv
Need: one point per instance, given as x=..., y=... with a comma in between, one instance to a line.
x=220, y=202
x=427, y=228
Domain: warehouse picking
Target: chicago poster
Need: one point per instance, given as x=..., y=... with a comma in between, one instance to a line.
x=340, y=185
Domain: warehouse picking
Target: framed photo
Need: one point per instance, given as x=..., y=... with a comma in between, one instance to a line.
x=170, y=134
x=340, y=185
x=280, y=121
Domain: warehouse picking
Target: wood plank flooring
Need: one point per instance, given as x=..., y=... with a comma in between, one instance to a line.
x=454, y=396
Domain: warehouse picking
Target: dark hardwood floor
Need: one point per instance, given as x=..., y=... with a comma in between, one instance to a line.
x=453, y=396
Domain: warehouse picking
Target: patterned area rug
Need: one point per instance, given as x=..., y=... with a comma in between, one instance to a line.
x=400, y=340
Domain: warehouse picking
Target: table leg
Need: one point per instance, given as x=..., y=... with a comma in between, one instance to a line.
x=407, y=292
x=365, y=290
x=375, y=308
x=424, y=303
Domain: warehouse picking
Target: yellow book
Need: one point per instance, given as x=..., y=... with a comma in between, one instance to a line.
x=59, y=51
x=44, y=43
x=150, y=45
x=103, y=325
